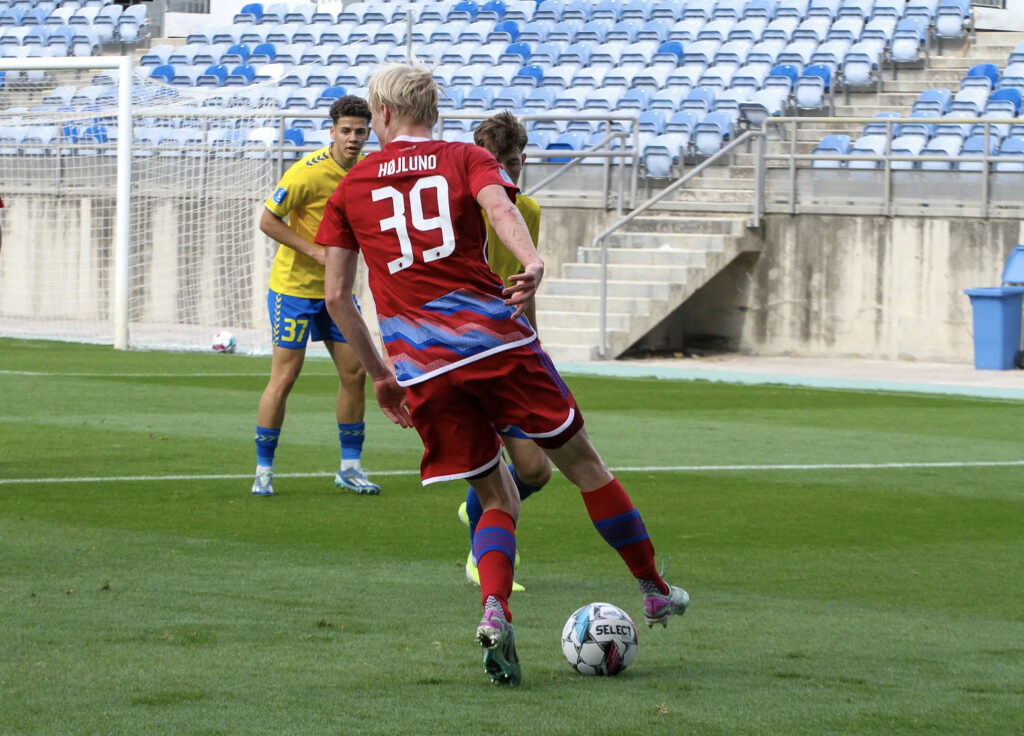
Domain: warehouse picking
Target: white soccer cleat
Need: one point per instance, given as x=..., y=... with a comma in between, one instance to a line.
x=264, y=483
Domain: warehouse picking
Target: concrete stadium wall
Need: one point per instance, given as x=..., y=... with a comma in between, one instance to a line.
x=829, y=286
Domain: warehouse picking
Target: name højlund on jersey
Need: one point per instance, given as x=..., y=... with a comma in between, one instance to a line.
x=404, y=164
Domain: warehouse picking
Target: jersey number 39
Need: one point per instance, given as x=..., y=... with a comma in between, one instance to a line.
x=400, y=223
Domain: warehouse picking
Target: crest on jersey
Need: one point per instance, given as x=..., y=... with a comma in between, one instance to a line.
x=279, y=194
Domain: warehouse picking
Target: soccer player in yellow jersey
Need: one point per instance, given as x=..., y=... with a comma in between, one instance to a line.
x=505, y=138
x=296, y=298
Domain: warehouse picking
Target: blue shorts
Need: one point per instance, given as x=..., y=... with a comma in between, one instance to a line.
x=295, y=320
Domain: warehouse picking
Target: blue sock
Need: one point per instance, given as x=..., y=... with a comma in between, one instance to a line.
x=351, y=437
x=474, y=509
x=266, y=444
x=525, y=491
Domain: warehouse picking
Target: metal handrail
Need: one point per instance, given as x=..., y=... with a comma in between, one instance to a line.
x=601, y=239
x=790, y=125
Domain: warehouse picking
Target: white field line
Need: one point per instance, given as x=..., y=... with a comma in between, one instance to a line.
x=623, y=469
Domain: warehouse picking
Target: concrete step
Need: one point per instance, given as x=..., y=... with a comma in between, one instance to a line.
x=618, y=288
x=633, y=273
x=573, y=321
x=721, y=196
x=658, y=256
x=707, y=225
x=571, y=353
x=628, y=240
x=578, y=337
x=552, y=303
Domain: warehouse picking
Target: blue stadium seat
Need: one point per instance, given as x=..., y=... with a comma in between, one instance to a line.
x=242, y=74
x=711, y=133
x=906, y=145
x=577, y=53
x=939, y=148
x=533, y=32
x=933, y=101
x=1013, y=77
x=540, y=99
x=569, y=141
x=974, y=145
x=163, y=72
x=970, y=99
x=699, y=99
x=952, y=20
x=506, y=31
x=517, y=52
x=670, y=52
x=548, y=53
x=983, y=75
x=1011, y=154
x=213, y=76
x=812, y=87
x=662, y=153
x=529, y=75
x=249, y=14
x=909, y=41
x=763, y=104
x=509, y=98
x=1006, y=99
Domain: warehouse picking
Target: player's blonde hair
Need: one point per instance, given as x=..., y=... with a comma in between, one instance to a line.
x=409, y=91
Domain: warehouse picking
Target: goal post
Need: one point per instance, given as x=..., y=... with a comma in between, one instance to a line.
x=132, y=205
x=122, y=221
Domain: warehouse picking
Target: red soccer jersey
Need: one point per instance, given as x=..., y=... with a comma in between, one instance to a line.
x=412, y=211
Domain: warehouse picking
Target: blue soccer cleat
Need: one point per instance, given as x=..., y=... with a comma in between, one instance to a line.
x=355, y=480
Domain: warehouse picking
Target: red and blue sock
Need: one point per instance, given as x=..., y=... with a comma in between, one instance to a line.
x=618, y=521
x=494, y=547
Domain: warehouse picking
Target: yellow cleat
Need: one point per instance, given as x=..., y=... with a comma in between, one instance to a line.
x=473, y=574
x=463, y=515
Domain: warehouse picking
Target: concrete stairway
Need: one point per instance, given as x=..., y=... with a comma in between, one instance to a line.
x=654, y=265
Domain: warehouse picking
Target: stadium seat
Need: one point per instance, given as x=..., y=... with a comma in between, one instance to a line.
x=568, y=141
x=974, y=145
x=906, y=145
x=970, y=99
x=711, y=133
x=782, y=75
x=698, y=100
x=934, y=102
x=451, y=98
x=518, y=53
x=867, y=145
x=1012, y=77
x=661, y=154
x=668, y=99
x=1006, y=99
x=831, y=144
x=946, y=148
x=213, y=76
x=1011, y=155
x=683, y=121
x=249, y=14
x=953, y=21
x=813, y=87
x=164, y=72
x=540, y=99
x=763, y=104
x=909, y=45
x=981, y=75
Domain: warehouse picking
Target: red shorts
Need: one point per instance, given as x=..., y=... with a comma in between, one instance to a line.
x=458, y=413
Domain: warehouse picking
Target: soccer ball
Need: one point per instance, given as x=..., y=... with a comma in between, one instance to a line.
x=224, y=342
x=599, y=639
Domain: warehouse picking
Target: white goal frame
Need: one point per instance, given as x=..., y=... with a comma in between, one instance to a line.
x=122, y=211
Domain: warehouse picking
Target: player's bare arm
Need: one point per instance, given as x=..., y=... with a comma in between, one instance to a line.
x=508, y=223
x=276, y=228
x=339, y=282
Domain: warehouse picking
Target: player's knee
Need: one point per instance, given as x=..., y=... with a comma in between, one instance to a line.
x=535, y=472
x=353, y=378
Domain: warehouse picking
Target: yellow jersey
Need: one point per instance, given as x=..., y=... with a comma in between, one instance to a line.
x=501, y=261
x=301, y=196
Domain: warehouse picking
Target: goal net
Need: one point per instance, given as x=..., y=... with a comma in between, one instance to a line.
x=188, y=258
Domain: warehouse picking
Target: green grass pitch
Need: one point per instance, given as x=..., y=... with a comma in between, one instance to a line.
x=144, y=591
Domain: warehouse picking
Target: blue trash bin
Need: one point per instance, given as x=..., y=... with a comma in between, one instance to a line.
x=997, y=317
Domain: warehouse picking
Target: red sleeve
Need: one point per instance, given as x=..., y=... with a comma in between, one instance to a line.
x=483, y=170
x=334, y=230
x=1, y=201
